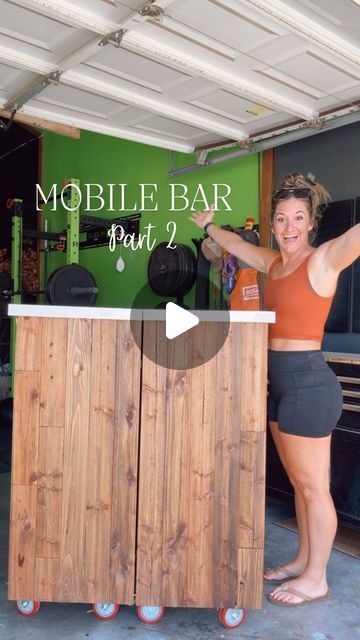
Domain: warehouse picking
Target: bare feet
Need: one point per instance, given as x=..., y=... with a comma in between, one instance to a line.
x=283, y=572
x=303, y=585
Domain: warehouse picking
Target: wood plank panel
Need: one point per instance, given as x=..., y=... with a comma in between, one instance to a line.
x=250, y=587
x=202, y=476
x=22, y=543
x=176, y=488
x=258, y=490
x=251, y=490
x=208, y=487
x=27, y=344
x=125, y=468
x=149, y=573
x=246, y=508
x=253, y=384
x=53, y=370
x=201, y=490
x=226, y=479
x=25, y=428
x=49, y=498
x=78, y=375
x=100, y=461
x=47, y=579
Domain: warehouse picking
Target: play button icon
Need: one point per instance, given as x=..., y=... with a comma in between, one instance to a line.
x=178, y=320
x=175, y=337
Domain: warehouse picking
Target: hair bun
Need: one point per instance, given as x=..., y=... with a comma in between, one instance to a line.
x=310, y=177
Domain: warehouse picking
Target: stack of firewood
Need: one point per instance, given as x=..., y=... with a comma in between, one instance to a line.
x=30, y=275
x=5, y=264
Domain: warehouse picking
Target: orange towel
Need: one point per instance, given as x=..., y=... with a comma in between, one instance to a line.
x=245, y=295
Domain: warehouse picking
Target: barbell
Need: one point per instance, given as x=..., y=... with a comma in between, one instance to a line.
x=70, y=285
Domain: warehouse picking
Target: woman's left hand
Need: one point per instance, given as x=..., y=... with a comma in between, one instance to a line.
x=201, y=218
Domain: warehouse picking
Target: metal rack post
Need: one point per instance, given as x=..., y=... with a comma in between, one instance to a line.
x=73, y=224
x=16, y=268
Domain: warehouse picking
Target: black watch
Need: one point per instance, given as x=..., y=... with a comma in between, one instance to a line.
x=207, y=226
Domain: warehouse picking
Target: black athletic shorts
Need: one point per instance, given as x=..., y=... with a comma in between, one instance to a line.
x=305, y=397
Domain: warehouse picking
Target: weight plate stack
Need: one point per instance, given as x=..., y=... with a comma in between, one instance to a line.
x=171, y=272
x=71, y=285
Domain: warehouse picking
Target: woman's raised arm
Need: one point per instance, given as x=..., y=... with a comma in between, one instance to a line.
x=257, y=257
x=342, y=251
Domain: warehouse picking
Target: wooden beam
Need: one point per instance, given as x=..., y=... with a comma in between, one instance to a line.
x=266, y=187
x=56, y=127
x=265, y=191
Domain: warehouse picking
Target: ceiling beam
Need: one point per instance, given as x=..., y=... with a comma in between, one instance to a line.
x=42, y=123
x=23, y=61
x=81, y=18
x=70, y=14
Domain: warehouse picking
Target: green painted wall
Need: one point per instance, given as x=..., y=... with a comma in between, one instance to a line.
x=103, y=159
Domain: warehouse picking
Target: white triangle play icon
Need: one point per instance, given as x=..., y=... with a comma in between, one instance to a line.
x=178, y=320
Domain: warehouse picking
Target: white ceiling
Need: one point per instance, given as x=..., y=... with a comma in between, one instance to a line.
x=202, y=72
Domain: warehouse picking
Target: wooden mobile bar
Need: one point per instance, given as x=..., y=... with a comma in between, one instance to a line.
x=133, y=478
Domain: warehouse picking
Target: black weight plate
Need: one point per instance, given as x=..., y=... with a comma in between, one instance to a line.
x=181, y=272
x=171, y=272
x=189, y=273
x=61, y=281
x=163, y=267
x=181, y=281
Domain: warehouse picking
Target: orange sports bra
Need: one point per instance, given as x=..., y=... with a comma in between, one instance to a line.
x=301, y=313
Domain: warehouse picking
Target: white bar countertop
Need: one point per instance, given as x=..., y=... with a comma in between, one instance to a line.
x=112, y=313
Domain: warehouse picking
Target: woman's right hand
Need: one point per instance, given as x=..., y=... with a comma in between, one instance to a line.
x=201, y=218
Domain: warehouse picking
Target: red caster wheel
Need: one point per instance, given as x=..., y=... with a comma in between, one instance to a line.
x=27, y=607
x=105, y=610
x=232, y=618
x=150, y=615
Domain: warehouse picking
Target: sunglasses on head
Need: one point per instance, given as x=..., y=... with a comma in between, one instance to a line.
x=288, y=192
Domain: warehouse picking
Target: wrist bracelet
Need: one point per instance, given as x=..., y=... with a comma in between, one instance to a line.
x=207, y=226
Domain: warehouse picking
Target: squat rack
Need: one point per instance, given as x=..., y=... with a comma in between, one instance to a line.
x=94, y=228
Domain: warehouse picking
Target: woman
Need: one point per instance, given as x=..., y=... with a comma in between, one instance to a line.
x=305, y=400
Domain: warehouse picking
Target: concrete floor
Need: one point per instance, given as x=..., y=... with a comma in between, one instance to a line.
x=337, y=619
